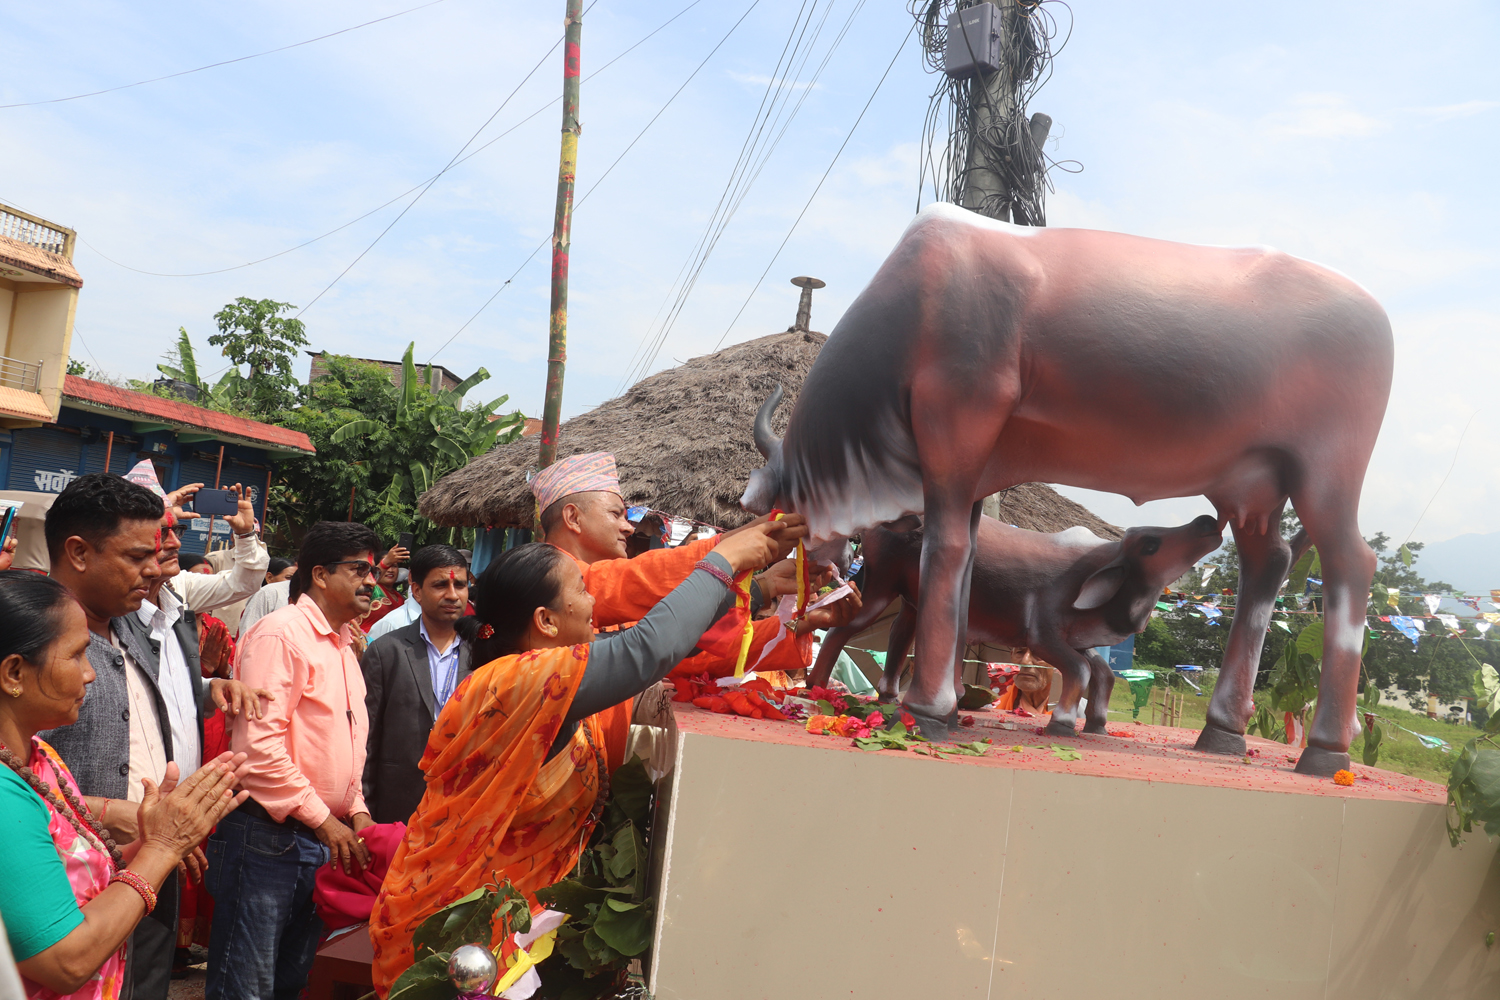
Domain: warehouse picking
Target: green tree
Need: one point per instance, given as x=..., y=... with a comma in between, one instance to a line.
x=76, y=367
x=383, y=446
x=254, y=332
x=181, y=364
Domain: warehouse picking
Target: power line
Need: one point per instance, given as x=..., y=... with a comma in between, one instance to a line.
x=610, y=169
x=754, y=157
x=226, y=62
x=815, y=191
x=403, y=194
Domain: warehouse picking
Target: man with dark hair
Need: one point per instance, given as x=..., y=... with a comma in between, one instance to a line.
x=106, y=541
x=410, y=674
x=306, y=758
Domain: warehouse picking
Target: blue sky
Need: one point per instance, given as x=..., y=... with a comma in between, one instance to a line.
x=1362, y=136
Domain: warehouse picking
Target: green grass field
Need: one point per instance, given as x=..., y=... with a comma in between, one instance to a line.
x=1399, y=751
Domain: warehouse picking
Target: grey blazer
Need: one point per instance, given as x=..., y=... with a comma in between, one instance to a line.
x=96, y=748
x=402, y=708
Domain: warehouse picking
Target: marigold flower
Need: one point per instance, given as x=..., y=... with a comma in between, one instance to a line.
x=820, y=724
x=1343, y=777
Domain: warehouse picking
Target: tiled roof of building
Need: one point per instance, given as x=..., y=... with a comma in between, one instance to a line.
x=20, y=403
x=138, y=405
x=38, y=261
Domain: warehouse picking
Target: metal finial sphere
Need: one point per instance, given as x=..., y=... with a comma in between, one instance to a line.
x=472, y=969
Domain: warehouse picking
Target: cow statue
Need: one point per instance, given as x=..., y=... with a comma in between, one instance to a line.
x=984, y=355
x=1058, y=595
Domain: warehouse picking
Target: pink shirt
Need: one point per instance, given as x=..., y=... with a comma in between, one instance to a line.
x=307, y=754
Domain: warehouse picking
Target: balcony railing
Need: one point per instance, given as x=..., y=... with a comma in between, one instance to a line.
x=21, y=375
x=26, y=228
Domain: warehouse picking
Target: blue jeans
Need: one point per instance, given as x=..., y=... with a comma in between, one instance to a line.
x=265, y=929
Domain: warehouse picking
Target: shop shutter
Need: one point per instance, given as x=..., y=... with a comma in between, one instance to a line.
x=197, y=466
x=44, y=450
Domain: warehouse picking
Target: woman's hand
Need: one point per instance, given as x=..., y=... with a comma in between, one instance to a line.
x=753, y=546
x=177, y=822
x=836, y=615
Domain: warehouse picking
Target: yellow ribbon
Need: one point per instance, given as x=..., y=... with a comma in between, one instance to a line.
x=522, y=959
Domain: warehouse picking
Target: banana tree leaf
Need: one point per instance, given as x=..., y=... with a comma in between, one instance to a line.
x=629, y=932
x=355, y=429
x=426, y=980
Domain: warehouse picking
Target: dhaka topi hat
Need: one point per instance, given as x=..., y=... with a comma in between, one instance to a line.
x=144, y=474
x=593, y=472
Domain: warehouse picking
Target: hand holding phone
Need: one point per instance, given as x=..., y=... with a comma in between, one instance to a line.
x=218, y=503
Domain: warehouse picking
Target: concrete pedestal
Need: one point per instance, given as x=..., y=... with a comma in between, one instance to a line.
x=795, y=866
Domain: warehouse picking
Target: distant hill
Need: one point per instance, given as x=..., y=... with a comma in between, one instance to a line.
x=1469, y=562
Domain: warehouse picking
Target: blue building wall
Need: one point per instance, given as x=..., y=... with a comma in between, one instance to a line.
x=45, y=459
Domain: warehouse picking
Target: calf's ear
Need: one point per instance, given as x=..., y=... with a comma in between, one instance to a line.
x=1099, y=588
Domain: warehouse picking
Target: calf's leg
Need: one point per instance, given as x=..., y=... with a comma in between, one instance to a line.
x=1101, y=686
x=896, y=648
x=1074, y=668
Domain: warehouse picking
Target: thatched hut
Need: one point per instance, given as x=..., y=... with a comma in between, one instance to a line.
x=681, y=439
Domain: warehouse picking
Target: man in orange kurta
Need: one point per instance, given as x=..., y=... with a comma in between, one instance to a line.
x=584, y=515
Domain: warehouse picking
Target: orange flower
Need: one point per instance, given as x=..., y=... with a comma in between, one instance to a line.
x=1343, y=777
x=820, y=725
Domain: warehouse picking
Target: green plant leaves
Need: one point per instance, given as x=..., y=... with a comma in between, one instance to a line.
x=625, y=927
x=1373, y=737
x=427, y=979
x=630, y=789
x=1474, y=791
x=1066, y=753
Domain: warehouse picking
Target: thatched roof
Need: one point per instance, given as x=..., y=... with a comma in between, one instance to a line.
x=682, y=441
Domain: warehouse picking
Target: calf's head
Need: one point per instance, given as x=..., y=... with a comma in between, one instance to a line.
x=1146, y=560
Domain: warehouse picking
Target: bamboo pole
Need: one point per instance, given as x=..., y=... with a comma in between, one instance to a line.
x=109, y=449
x=562, y=228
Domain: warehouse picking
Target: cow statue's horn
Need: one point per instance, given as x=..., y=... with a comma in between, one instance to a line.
x=764, y=439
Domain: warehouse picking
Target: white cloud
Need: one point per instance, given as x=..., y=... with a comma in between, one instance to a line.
x=1465, y=109
x=758, y=80
x=1321, y=116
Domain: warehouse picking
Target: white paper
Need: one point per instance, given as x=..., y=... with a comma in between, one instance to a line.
x=1432, y=601
x=833, y=595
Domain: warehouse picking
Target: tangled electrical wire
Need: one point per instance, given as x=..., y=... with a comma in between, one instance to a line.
x=991, y=134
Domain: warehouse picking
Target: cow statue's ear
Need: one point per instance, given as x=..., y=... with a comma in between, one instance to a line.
x=1099, y=588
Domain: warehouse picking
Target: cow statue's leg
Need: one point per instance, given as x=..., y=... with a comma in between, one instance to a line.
x=1101, y=686
x=1348, y=567
x=951, y=523
x=963, y=602
x=1074, y=668
x=896, y=648
x=1265, y=558
x=837, y=638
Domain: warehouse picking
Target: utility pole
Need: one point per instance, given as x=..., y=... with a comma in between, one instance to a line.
x=562, y=228
x=990, y=102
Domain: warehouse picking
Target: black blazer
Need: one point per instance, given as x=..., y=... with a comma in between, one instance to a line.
x=402, y=708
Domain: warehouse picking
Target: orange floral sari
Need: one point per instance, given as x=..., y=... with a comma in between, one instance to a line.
x=494, y=803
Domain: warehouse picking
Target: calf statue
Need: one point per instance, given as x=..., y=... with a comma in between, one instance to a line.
x=1058, y=595
x=984, y=355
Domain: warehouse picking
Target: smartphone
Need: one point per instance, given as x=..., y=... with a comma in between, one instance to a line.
x=10, y=519
x=216, y=502
x=405, y=540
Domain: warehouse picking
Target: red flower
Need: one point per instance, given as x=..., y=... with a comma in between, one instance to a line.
x=907, y=719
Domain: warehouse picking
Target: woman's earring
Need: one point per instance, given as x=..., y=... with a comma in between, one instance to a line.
x=551, y=630
x=15, y=693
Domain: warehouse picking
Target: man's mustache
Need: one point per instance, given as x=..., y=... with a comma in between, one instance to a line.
x=365, y=592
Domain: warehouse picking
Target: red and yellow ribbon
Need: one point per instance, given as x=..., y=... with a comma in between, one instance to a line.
x=742, y=599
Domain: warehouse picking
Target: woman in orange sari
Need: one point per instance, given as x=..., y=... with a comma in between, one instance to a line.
x=518, y=762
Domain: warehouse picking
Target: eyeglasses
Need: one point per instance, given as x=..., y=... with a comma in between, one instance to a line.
x=363, y=567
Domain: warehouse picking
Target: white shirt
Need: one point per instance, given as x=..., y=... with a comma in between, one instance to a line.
x=271, y=597
x=178, y=687
x=204, y=592
x=400, y=618
x=148, y=756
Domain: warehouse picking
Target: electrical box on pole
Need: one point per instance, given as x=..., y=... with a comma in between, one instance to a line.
x=974, y=42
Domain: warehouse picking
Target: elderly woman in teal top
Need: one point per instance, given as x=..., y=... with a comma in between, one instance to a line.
x=70, y=897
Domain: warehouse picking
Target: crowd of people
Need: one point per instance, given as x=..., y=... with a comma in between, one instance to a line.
x=175, y=777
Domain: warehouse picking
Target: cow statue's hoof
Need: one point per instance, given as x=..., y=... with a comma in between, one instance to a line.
x=1059, y=727
x=1097, y=728
x=1217, y=739
x=931, y=727
x=1322, y=763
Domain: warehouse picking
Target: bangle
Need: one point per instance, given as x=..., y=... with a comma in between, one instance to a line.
x=715, y=572
x=137, y=882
